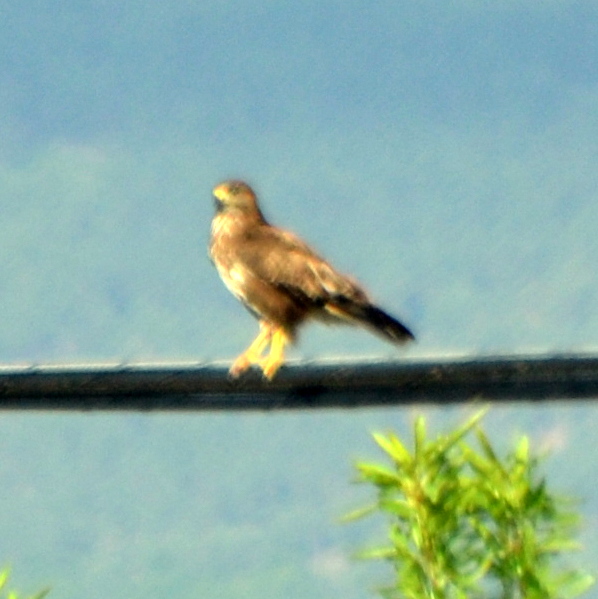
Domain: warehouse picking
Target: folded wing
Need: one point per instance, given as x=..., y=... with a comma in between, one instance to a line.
x=283, y=261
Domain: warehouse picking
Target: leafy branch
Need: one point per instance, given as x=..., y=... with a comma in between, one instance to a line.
x=466, y=524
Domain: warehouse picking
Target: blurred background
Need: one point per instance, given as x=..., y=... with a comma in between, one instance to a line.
x=445, y=154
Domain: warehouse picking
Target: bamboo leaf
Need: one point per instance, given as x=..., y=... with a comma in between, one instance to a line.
x=575, y=583
x=399, y=507
x=359, y=513
x=4, y=577
x=394, y=448
x=420, y=437
x=377, y=553
x=379, y=475
x=462, y=431
x=522, y=450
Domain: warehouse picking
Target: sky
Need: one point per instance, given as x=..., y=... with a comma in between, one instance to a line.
x=444, y=154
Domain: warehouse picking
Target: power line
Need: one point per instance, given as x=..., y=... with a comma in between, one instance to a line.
x=298, y=385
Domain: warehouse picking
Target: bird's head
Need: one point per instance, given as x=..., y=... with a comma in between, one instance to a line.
x=236, y=196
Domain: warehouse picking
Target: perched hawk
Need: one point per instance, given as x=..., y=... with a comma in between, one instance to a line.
x=282, y=281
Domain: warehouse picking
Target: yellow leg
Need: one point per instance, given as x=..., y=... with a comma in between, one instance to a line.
x=253, y=354
x=275, y=358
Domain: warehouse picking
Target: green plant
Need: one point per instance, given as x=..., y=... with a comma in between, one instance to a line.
x=466, y=524
x=6, y=594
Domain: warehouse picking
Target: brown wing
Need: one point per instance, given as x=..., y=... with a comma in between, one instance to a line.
x=285, y=261
x=282, y=260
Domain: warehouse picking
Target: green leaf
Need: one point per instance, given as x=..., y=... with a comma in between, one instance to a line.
x=399, y=507
x=394, y=448
x=458, y=434
x=478, y=462
x=377, y=553
x=575, y=583
x=4, y=577
x=559, y=546
x=420, y=437
x=490, y=455
x=359, y=513
x=379, y=475
x=522, y=450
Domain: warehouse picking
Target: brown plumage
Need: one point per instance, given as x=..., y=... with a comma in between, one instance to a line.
x=282, y=281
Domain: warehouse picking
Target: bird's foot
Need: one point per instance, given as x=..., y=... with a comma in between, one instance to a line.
x=274, y=360
x=270, y=366
x=253, y=354
x=240, y=365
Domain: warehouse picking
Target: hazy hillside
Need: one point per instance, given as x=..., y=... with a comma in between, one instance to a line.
x=444, y=155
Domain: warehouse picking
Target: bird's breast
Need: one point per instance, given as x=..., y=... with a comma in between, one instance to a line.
x=221, y=225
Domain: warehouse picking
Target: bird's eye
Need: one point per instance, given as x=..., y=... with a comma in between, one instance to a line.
x=235, y=189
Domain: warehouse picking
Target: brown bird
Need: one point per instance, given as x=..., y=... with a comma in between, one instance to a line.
x=282, y=281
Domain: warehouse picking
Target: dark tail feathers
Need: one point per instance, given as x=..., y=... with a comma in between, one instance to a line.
x=376, y=320
x=386, y=325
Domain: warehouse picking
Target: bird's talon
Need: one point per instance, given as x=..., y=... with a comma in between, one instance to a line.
x=269, y=373
x=240, y=365
x=269, y=369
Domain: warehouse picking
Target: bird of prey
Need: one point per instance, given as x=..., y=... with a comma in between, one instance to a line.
x=282, y=281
